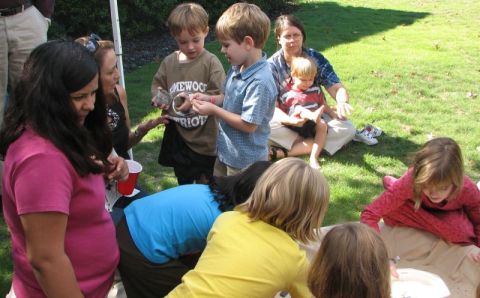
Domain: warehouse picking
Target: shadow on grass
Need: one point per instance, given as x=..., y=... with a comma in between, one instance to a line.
x=329, y=24
x=346, y=204
x=395, y=148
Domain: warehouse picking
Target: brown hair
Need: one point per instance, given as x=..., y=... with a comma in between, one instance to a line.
x=352, y=259
x=439, y=161
x=291, y=196
x=285, y=21
x=241, y=20
x=303, y=67
x=187, y=16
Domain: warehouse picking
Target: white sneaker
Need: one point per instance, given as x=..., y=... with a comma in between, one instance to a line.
x=366, y=137
x=373, y=130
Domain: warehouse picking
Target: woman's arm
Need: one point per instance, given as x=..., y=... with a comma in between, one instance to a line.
x=45, y=238
x=144, y=127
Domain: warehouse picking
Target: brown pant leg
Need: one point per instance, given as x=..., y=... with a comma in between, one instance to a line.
x=142, y=278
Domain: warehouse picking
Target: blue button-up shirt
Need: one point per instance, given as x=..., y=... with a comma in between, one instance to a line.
x=250, y=94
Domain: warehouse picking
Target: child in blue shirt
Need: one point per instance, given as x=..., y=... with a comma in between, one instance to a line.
x=250, y=90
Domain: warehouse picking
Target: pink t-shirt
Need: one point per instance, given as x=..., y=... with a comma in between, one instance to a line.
x=37, y=177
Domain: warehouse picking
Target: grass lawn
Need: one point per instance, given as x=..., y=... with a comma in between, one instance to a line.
x=411, y=67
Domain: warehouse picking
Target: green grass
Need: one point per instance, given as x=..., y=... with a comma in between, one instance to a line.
x=411, y=67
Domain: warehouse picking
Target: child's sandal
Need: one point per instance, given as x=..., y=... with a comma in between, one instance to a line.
x=274, y=150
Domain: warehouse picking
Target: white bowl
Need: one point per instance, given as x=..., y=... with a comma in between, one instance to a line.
x=414, y=283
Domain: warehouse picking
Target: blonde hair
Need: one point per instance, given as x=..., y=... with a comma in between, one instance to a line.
x=187, y=16
x=352, y=259
x=438, y=162
x=291, y=196
x=241, y=20
x=303, y=67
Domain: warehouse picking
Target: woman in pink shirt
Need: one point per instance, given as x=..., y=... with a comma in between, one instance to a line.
x=56, y=142
x=434, y=195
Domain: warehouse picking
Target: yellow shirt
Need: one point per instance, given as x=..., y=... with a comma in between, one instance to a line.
x=246, y=259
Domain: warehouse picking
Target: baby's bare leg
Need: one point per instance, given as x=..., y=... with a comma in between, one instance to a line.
x=301, y=147
x=318, y=143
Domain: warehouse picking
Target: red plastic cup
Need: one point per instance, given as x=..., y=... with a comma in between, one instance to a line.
x=126, y=187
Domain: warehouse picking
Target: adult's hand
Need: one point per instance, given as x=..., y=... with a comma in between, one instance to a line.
x=146, y=126
x=343, y=110
x=340, y=94
x=118, y=170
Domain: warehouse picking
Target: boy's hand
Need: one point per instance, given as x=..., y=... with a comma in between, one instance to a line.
x=295, y=119
x=162, y=99
x=186, y=104
x=303, y=113
x=200, y=96
x=160, y=106
x=315, y=115
x=203, y=107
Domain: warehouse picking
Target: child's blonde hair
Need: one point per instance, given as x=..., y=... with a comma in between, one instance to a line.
x=438, y=162
x=241, y=20
x=303, y=67
x=352, y=261
x=187, y=16
x=291, y=196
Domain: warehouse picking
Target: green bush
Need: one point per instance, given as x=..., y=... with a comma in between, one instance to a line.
x=76, y=18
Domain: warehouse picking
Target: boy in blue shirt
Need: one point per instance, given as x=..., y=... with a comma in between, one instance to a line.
x=250, y=92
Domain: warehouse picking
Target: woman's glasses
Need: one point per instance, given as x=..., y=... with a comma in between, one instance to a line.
x=295, y=36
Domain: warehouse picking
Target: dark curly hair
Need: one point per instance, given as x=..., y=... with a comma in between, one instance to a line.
x=230, y=191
